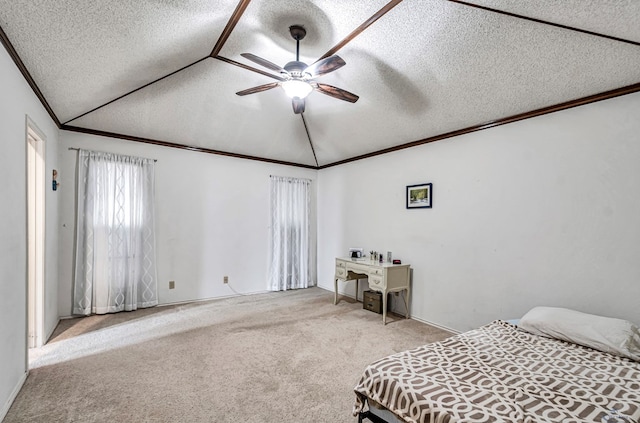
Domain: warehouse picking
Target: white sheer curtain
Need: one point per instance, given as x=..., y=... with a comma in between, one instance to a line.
x=115, y=264
x=291, y=262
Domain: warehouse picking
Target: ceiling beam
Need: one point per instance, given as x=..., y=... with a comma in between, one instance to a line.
x=226, y=32
x=309, y=138
x=235, y=17
x=514, y=15
x=522, y=116
x=380, y=13
x=510, y=119
x=179, y=146
x=135, y=90
x=27, y=76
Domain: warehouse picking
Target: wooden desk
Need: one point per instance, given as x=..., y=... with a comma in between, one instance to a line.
x=382, y=277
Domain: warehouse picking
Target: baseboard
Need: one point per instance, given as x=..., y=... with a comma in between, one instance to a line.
x=200, y=300
x=453, y=331
x=326, y=289
x=426, y=322
x=53, y=329
x=67, y=317
x=12, y=397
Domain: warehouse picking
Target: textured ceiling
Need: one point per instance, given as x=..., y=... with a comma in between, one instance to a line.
x=167, y=72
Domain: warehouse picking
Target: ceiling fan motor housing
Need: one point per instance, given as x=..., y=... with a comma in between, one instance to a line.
x=296, y=69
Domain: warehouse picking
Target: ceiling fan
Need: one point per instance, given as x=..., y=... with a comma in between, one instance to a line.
x=297, y=79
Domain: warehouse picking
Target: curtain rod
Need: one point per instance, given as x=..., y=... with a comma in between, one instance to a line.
x=77, y=149
x=291, y=178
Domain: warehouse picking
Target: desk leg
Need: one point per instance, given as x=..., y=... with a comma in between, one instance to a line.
x=335, y=288
x=357, y=288
x=407, y=302
x=384, y=308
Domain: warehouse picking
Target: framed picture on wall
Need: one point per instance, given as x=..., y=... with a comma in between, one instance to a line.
x=419, y=196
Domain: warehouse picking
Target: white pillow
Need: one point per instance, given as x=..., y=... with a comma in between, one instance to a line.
x=614, y=336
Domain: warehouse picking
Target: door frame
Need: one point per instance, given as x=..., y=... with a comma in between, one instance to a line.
x=36, y=211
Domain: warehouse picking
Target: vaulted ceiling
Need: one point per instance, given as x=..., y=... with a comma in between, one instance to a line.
x=167, y=71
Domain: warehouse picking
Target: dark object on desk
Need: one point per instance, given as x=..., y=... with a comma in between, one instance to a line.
x=355, y=252
x=396, y=261
x=372, y=301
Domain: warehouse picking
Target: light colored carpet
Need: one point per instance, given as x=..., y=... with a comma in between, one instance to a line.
x=277, y=357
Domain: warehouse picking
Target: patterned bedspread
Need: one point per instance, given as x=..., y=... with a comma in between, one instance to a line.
x=498, y=373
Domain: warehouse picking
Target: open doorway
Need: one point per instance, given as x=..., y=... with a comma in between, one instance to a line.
x=35, y=234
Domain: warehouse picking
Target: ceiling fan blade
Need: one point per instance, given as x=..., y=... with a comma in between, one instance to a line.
x=298, y=105
x=258, y=89
x=336, y=92
x=325, y=65
x=263, y=62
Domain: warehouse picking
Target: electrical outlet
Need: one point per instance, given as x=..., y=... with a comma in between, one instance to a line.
x=172, y=284
x=225, y=279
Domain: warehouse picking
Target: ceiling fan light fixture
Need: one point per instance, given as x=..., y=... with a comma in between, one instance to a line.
x=296, y=88
x=297, y=79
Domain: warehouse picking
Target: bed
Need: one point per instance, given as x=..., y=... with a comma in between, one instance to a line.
x=502, y=373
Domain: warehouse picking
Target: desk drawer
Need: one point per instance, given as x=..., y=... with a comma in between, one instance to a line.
x=341, y=263
x=341, y=273
x=376, y=282
x=358, y=267
x=376, y=271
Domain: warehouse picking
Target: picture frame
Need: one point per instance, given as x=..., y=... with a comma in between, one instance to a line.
x=420, y=196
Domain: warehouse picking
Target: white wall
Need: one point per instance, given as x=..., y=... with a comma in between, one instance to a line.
x=212, y=218
x=16, y=102
x=540, y=212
